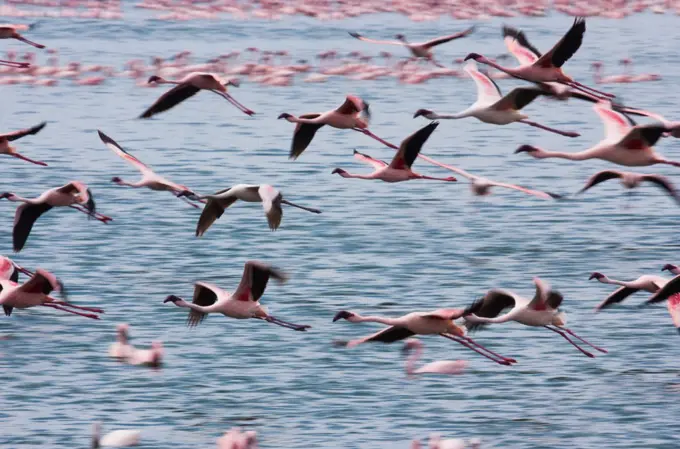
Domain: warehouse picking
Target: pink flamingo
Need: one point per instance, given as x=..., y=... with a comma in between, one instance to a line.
x=438, y=367
x=628, y=67
x=648, y=283
x=244, y=303
x=189, y=86
x=600, y=79
x=9, y=270
x=149, y=179
x=6, y=148
x=75, y=194
x=438, y=322
x=125, y=352
x=542, y=310
x=631, y=180
x=35, y=292
x=344, y=117
x=400, y=168
x=548, y=67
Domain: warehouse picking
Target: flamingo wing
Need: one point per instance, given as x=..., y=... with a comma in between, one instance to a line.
x=213, y=210
x=254, y=280
x=664, y=183
x=488, y=91
x=489, y=306
x=450, y=37
x=538, y=302
x=24, y=218
x=387, y=335
x=566, y=47
x=271, y=203
x=7, y=310
x=411, y=146
x=599, y=177
x=41, y=282
x=668, y=290
x=616, y=124
x=374, y=41
x=616, y=297
x=205, y=294
x=15, y=135
x=519, y=46
x=376, y=163
x=444, y=314
x=642, y=137
x=303, y=135
x=171, y=98
x=113, y=146
x=352, y=105
x=518, y=98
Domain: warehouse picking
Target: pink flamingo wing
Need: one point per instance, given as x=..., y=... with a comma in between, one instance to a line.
x=616, y=125
x=444, y=314
x=487, y=90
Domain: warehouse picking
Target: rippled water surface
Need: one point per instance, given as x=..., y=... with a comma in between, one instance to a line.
x=377, y=248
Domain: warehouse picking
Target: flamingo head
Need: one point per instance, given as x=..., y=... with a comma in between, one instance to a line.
x=117, y=180
x=400, y=37
x=7, y=196
x=669, y=267
x=174, y=299
x=422, y=112
x=597, y=64
x=122, y=330
x=284, y=115
x=155, y=79
x=533, y=151
x=476, y=56
x=343, y=314
x=596, y=275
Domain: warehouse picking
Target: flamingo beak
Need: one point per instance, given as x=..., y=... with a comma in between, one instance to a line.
x=343, y=314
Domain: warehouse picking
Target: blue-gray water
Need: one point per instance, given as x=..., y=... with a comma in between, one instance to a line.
x=378, y=248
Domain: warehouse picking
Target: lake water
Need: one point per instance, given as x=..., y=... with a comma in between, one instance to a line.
x=377, y=248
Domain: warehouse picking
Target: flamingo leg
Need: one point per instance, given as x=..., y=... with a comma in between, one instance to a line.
x=430, y=178
x=35, y=44
x=478, y=351
x=471, y=341
x=97, y=215
x=233, y=101
x=278, y=322
x=373, y=136
x=573, y=334
x=186, y=200
x=24, y=158
x=552, y=130
x=18, y=65
x=73, y=306
x=589, y=90
x=570, y=341
x=86, y=315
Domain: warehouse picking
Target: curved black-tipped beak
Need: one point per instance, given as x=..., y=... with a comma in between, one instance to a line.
x=343, y=314
x=474, y=56
x=669, y=267
x=525, y=149
x=172, y=298
x=596, y=275
x=284, y=115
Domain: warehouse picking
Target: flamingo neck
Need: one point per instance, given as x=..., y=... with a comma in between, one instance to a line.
x=350, y=175
x=377, y=319
x=580, y=156
x=18, y=199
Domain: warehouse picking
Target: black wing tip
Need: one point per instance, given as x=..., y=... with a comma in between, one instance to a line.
x=104, y=138
x=354, y=34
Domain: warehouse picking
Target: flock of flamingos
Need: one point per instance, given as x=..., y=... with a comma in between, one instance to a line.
x=626, y=143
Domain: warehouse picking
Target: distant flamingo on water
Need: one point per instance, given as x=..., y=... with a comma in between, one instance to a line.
x=35, y=292
x=400, y=167
x=189, y=86
x=437, y=322
x=548, y=68
x=244, y=303
x=542, y=310
x=344, y=117
x=6, y=148
x=75, y=194
x=438, y=367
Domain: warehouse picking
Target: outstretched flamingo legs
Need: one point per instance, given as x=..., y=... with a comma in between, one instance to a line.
x=58, y=307
x=562, y=330
x=101, y=217
x=17, y=65
x=233, y=101
x=479, y=349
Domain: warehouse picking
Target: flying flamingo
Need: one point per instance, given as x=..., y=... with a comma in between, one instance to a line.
x=542, y=310
x=35, y=292
x=75, y=194
x=670, y=292
x=344, y=117
x=492, y=107
x=625, y=143
x=648, y=283
x=6, y=148
x=189, y=86
x=438, y=322
x=116, y=438
x=149, y=179
x=418, y=50
x=631, y=180
x=244, y=303
x=271, y=200
x=400, y=167
x=12, y=32
x=438, y=367
x=548, y=67
x=9, y=270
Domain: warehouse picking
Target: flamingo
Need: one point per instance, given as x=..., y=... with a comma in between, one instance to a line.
x=670, y=292
x=122, y=348
x=344, y=117
x=149, y=179
x=116, y=438
x=492, y=107
x=625, y=143
x=235, y=439
x=438, y=367
x=548, y=67
x=400, y=167
x=9, y=270
x=35, y=292
x=632, y=180
x=12, y=32
x=6, y=148
x=75, y=194
x=152, y=357
x=648, y=283
x=437, y=322
x=218, y=202
x=627, y=65
x=542, y=310
x=612, y=79
x=189, y=86
x=436, y=442
x=418, y=50
x=244, y=303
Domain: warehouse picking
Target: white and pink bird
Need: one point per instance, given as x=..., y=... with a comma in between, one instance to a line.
x=437, y=367
x=8, y=149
